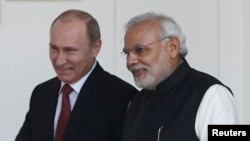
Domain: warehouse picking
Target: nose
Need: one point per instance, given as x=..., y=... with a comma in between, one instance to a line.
x=61, y=59
x=131, y=59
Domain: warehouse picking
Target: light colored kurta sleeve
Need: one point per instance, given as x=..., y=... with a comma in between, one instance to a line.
x=217, y=107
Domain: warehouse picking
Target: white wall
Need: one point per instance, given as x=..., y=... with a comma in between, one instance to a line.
x=231, y=49
x=217, y=33
x=245, y=112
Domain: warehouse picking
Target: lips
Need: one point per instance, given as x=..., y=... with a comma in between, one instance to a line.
x=138, y=72
x=63, y=70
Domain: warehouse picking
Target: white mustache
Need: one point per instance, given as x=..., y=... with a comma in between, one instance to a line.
x=133, y=68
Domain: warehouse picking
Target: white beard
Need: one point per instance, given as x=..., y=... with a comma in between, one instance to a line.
x=156, y=73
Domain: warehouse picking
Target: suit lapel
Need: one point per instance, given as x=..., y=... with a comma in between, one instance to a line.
x=52, y=102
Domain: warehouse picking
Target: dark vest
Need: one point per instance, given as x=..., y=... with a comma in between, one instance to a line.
x=169, y=111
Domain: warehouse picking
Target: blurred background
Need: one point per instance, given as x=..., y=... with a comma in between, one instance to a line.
x=217, y=33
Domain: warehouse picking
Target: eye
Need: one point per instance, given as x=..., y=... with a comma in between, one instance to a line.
x=125, y=52
x=140, y=50
x=53, y=48
x=70, y=49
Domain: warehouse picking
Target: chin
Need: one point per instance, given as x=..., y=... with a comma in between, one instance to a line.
x=66, y=80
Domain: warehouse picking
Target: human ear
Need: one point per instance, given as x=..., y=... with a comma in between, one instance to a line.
x=96, y=47
x=173, y=47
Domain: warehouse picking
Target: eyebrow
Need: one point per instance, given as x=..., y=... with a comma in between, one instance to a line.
x=64, y=48
x=140, y=44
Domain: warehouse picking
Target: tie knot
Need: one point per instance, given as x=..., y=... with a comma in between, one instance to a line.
x=66, y=90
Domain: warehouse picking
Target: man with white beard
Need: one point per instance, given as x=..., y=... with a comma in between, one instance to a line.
x=176, y=102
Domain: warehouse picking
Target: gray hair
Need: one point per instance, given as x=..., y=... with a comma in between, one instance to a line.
x=168, y=25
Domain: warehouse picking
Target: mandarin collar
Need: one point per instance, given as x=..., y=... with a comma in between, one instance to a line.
x=174, y=78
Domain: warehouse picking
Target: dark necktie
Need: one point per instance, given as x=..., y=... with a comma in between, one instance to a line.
x=65, y=113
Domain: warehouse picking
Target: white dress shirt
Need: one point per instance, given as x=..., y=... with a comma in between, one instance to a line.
x=217, y=107
x=72, y=97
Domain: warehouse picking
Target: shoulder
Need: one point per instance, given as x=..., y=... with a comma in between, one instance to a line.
x=109, y=80
x=115, y=82
x=114, y=79
x=48, y=83
x=104, y=76
x=44, y=90
x=202, y=76
x=110, y=84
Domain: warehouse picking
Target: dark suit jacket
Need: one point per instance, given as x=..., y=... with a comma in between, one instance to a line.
x=98, y=114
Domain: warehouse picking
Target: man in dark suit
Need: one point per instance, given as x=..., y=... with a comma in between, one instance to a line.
x=99, y=100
